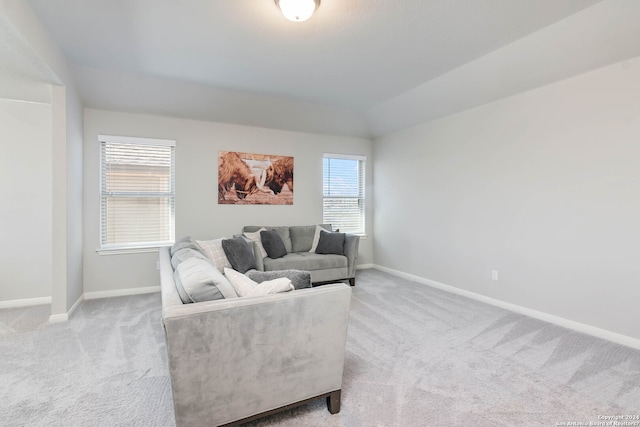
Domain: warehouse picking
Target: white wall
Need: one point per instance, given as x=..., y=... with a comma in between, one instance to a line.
x=543, y=187
x=197, y=211
x=46, y=65
x=74, y=196
x=25, y=211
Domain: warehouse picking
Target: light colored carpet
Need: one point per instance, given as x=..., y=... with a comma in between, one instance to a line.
x=416, y=356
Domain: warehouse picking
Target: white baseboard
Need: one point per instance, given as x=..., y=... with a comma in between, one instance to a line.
x=64, y=317
x=25, y=302
x=550, y=318
x=364, y=266
x=121, y=292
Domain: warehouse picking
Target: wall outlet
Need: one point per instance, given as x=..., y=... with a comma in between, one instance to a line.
x=494, y=274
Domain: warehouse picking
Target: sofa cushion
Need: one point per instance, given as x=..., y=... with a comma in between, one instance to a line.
x=201, y=281
x=245, y=287
x=330, y=243
x=305, y=261
x=185, y=242
x=273, y=244
x=214, y=251
x=299, y=278
x=239, y=254
x=255, y=237
x=184, y=254
x=184, y=297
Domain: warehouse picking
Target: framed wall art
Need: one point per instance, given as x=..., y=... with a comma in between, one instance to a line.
x=254, y=179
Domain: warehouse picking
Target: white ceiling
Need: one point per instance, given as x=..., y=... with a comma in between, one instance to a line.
x=353, y=58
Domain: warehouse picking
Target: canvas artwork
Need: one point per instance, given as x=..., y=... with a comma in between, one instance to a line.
x=254, y=179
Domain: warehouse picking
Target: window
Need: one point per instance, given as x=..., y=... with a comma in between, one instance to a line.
x=137, y=192
x=343, y=192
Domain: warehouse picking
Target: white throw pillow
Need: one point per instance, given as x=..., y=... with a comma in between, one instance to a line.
x=274, y=286
x=246, y=287
x=255, y=237
x=241, y=283
x=316, y=238
x=213, y=250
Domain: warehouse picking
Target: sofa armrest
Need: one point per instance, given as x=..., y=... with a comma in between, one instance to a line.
x=351, y=244
x=231, y=359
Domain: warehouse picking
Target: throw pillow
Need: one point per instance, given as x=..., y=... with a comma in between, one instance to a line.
x=241, y=283
x=274, y=286
x=239, y=254
x=245, y=287
x=299, y=278
x=255, y=237
x=273, y=244
x=201, y=281
x=316, y=237
x=331, y=243
x=213, y=250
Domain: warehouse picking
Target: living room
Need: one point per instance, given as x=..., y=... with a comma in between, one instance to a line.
x=527, y=200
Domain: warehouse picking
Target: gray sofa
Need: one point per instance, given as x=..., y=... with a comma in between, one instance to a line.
x=234, y=360
x=324, y=268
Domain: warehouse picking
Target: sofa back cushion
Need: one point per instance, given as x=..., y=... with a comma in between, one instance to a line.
x=302, y=236
x=184, y=254
x=185, y=242
x=201, y=281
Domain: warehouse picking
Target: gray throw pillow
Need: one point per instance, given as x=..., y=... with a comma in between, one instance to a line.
x=239, y=254
x=330, y=243
x=273, y=244
x=299, y=278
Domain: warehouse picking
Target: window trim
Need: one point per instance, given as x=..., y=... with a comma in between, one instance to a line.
x=361, y=158
x=133, y=247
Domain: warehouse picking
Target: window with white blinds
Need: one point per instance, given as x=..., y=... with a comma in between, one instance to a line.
x=137, y=191
x=343, y=192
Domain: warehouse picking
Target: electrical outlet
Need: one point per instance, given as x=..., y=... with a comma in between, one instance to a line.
x=494, y=274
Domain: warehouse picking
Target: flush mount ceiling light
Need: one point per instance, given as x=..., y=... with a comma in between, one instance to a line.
x=297, y=10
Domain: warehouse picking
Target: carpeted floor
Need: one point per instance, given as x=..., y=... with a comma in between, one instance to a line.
x=416, y=356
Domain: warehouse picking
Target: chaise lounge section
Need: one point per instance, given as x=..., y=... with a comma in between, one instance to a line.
x=234, y=360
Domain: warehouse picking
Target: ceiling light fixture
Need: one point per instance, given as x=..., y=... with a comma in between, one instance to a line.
x=297, y=10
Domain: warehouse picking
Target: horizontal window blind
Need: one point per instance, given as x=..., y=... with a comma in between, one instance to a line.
x=137, y=188
x=343, y=192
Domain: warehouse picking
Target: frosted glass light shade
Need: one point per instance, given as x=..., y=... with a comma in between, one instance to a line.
x=297, y=10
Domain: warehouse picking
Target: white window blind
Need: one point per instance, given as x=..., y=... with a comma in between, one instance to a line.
x=343, y=192
x=137, y=191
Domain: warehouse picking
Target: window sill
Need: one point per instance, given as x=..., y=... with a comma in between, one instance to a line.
x=124, y=251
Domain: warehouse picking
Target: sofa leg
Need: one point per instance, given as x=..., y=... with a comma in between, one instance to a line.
x=333, y=402
x=352, y=281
